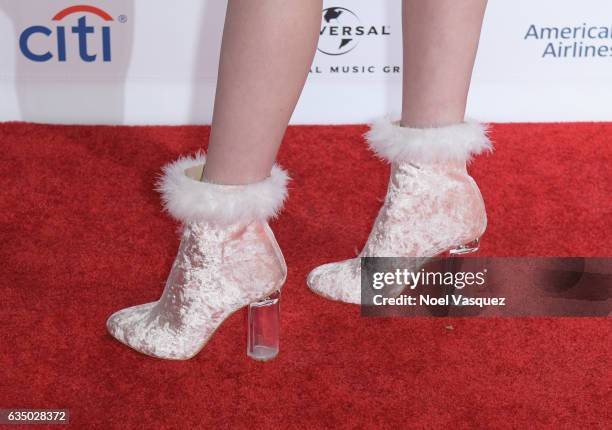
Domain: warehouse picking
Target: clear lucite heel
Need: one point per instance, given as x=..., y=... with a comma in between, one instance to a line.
x=453, y=261
x=467, y=248
x=263, y=328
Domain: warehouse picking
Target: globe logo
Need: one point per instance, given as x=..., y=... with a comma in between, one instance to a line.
x=340, y=31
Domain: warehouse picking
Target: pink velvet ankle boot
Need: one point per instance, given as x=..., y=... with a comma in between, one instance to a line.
x=432, y=206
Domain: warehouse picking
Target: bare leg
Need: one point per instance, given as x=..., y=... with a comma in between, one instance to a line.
x=440, y=43
x=266, y=53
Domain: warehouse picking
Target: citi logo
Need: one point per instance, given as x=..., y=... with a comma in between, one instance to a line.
x=59, y=36
x=342, y=30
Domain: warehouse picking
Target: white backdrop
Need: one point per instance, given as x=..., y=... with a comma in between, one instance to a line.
x=546, y=60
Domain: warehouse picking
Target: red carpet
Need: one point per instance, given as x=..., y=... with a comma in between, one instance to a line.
x=83, y=235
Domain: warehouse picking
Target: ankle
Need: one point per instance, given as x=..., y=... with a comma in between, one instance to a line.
x=235, y=181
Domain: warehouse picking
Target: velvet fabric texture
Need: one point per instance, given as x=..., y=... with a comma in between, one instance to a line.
x=432, y=204
x=223, y=263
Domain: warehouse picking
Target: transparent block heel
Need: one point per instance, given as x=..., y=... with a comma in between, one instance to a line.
x=263, y=328
x=452, y=261
x=467, y=248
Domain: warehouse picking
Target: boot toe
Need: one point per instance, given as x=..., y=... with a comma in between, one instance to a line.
x=121, y=322
x=339, y=281
x=140, y=328
x=127, y=326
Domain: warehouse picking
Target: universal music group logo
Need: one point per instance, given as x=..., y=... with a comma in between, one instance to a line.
x=342, y=30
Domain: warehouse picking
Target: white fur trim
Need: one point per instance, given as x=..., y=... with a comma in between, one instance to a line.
x=458, y=142
x=190, y=200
